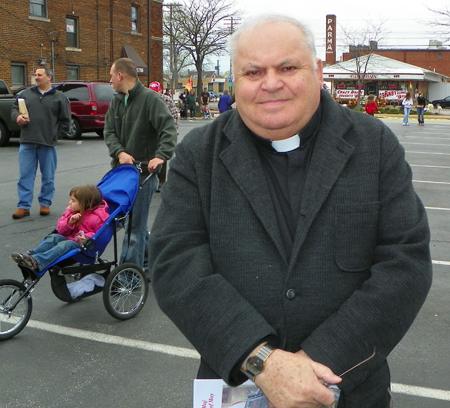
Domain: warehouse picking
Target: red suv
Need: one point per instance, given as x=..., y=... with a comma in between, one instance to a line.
x=89, y=102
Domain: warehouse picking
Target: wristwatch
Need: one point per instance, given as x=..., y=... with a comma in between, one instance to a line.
x=255, y=363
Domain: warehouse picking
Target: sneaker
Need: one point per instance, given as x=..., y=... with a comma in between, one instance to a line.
x=20, y=213
x=29, y=261
x=44, y=210
x=16, y=257
x=403, y=124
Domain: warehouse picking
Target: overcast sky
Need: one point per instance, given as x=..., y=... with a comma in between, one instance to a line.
x=402, y=19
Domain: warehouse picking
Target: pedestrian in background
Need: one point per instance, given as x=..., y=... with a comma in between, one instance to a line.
x=224, y=102
x=48, y=120
x=421, y=102
x=156, y=86
x=407, y=103
x=191, y=103
x=371, y=105
x=183, y=104
x=138, y=128
x=289, y=245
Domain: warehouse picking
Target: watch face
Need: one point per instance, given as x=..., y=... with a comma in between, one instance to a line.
x=255, y=365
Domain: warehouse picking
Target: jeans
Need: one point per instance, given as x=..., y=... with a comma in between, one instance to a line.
x=135, y=245
x=407, y=109
x=51, y=248
x=420, y=117
x=30, y=155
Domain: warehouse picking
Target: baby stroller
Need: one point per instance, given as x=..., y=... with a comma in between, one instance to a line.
x=124, y=287
x=206, y=112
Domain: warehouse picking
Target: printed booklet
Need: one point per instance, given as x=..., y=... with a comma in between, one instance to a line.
x=218, y=394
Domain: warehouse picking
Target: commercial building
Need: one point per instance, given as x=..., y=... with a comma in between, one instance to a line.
x=79, y=39
x=384, y=77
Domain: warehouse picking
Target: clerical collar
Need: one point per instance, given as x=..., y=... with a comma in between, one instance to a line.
x=286, y=145
x=303, y=137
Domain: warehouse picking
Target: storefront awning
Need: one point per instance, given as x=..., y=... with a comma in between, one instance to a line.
x=129, y=52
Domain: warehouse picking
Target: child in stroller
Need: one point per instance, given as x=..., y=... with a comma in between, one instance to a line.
x=77, y=273
x=86, y=213
x=206, y=112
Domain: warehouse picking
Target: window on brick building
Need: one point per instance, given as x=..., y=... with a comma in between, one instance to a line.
x=18, y=75
x=38, y=8
x=72, y=32
x=135, y=19
x=73, y=73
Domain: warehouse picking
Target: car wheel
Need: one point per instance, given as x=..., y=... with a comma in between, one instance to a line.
x=75, y=130
x=100, y=133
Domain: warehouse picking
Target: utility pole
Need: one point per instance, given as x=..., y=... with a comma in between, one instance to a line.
x=173, y=67
x=232, y=22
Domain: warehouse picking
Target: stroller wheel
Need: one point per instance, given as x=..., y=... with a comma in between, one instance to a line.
x=125, y=291
x=13, y=318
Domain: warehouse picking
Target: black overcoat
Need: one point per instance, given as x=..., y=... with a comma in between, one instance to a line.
x=360, y=267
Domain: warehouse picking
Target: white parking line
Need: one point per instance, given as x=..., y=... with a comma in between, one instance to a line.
x=431, y=182
x=117, y=340
x=190, y=353
x=421, y=392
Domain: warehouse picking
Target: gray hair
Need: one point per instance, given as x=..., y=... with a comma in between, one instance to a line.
x=250, y=24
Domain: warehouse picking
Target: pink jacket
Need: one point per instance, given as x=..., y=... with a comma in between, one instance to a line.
x=91, y=221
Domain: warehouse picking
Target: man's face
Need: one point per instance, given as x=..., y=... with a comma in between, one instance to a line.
x=277, y=87
x=41, y=78
x=116, y=79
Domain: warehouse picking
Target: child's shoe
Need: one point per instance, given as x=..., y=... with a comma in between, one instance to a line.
x=29, y=261
x=16, y=257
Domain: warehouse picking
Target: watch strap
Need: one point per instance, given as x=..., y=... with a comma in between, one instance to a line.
x=262, y=354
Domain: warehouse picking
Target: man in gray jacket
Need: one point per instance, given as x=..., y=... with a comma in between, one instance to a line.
x=290, y=245
x=48, y=120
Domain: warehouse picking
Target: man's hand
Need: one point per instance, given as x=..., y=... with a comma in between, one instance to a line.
x=293, y=380
x=22, y=120
x=154, y=163
x=125, y=158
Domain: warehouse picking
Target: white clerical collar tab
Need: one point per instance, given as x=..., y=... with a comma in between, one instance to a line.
x=286, y=145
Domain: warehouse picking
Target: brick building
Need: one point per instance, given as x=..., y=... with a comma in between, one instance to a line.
x=79, y=39
x=435, y=58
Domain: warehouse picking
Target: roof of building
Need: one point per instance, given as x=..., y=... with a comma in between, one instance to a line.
x=379, y=68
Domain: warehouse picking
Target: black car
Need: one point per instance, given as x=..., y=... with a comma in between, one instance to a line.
x=443, y=103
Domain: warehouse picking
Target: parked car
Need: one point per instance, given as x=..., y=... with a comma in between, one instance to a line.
x=443, y=103
x=8, y=128
x=89, y=102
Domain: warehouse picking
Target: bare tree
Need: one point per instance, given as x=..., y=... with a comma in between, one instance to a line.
x=362, y=45
x=441, y=22
x=175, y=57
x=201, y=31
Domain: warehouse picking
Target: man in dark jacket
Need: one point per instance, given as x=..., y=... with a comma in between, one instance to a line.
x=290, y=245
x=48, y=120
x=138, y=128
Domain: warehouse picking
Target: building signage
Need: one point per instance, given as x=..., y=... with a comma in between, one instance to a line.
x=347, y=93
x=391, y=94
x=330, y=40
x=331, y=34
